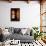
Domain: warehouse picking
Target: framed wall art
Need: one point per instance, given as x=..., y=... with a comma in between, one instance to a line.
x=15, y=14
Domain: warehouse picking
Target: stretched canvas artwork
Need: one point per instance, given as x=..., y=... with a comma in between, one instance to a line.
x=15, y=14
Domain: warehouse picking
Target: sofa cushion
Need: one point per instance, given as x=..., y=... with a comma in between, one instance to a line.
x=24, y=30
x=17, y=30
x=11, y=30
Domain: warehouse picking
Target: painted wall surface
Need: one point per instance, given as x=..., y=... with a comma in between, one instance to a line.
x=29, y=14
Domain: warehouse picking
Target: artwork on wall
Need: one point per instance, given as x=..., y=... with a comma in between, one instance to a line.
x=15, y=14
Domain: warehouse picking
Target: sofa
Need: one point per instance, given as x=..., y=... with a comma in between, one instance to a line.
x=22, y=34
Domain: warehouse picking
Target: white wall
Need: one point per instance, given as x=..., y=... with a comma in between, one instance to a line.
x=29, y=14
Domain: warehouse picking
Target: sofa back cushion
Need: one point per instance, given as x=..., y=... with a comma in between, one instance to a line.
x=11, y=30
x=17, y=30
x=23, y=31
